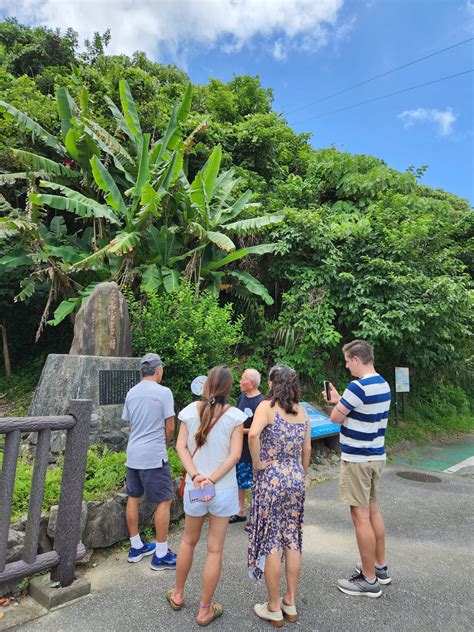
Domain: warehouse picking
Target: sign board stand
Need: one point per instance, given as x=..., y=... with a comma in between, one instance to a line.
x=402, y=385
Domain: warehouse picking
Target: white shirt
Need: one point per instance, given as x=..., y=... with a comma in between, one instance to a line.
x=217, y=447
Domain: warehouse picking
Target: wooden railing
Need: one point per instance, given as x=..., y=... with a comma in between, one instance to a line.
x=67, y=549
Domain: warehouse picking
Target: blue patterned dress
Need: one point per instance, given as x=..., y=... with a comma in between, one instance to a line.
x=276, y=516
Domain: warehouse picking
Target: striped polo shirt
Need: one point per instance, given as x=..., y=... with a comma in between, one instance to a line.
x=363, y=431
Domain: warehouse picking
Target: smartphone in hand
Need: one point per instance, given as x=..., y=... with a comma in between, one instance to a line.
x=208, y=491
x=327, y=389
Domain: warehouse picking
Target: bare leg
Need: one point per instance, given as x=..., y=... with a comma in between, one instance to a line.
x=162, y=520
x=184, y=561
x=213, y=565
x=292, y=570
x=242, y=502
x=131, y=514
x=272, y=579
x=378, y=527
x=365, y=540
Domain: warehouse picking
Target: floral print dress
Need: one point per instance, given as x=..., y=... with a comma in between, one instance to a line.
x=276, y=516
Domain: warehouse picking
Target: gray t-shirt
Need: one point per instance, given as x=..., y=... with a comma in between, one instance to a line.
x=147, y=405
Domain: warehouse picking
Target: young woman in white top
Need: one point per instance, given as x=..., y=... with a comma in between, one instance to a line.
x=209, y=445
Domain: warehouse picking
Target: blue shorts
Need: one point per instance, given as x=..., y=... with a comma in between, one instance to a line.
x=244, y=475
x=156, y=484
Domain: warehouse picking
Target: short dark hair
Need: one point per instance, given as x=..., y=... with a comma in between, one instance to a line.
x=360, y=348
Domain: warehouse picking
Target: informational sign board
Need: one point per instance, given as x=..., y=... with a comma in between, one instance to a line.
x=402, y=379
x=321, y=425
x=115, y=384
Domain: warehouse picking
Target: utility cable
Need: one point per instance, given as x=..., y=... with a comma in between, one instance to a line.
x=384, y=74
x=385, y=96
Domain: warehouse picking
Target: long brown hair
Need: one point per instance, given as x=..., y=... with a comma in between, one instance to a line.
x=285, y=389
x=215, y=392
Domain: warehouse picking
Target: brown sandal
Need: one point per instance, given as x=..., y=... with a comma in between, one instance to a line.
x=217, y=609
x=171, y=601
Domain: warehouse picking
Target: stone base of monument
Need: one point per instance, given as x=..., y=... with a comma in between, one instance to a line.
x=50, y=595
x=104, y=380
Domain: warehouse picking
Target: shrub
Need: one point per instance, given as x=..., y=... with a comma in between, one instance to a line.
x=105, y=474
x=191, y=332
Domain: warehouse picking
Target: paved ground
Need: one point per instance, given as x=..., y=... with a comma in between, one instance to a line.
x=429, y=541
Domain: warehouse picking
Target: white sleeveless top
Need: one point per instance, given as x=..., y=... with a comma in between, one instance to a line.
x=217, y=447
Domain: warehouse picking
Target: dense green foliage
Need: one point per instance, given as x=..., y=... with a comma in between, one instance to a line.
x=363, y=250
x=105, y=473
x=191, y=331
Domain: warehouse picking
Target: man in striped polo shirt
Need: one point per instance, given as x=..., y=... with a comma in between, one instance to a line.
x=363, y=412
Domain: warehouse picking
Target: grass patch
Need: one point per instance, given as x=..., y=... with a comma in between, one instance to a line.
x=105, y=474
x=443, y=411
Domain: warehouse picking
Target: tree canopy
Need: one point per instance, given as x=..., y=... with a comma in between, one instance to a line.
x=126, y=170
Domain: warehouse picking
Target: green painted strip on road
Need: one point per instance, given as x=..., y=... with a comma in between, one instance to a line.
x=439, y=457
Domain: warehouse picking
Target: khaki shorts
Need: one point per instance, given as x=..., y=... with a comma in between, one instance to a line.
x=358, y=482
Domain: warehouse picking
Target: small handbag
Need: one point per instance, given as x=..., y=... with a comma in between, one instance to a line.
x=183, y=482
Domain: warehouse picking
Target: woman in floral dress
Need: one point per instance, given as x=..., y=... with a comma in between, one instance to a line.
x=280, y=445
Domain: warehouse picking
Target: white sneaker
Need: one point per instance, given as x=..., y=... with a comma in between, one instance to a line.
x=289, y=612
x=262, y=612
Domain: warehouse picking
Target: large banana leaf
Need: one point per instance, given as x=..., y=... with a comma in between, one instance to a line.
x=234, y=211
x=121, y=122
x=253, y=224
x=210, y=171
x=64, y=253
x=151, y=279
x=123, y=242
x=130, y=112
x=66, y=108
x=252, y=285
x=225, y=184
x=81, y=147
x=143, y=168
x=42, y=164
x=172, y=135
x=150, y=202
x=261, y=249
x=106, y=183
x=74, y=202
x=197, y=195
x=15, y=259
x=26, y=123
x=170, y=279
x=112, y=147
x=221, y=240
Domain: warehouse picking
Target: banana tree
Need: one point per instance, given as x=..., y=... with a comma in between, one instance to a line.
x=131, y=213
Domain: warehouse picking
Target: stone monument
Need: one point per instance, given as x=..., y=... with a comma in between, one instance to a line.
x=99, y=367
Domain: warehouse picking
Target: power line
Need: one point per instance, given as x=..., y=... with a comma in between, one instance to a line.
x=384, y=74
x=385, y=96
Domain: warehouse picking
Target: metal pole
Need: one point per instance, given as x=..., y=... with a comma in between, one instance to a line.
x=396, y=408
x=72, y=484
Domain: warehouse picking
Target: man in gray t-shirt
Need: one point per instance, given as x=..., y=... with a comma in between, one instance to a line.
x=149, y=409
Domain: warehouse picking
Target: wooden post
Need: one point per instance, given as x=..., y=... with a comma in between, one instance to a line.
x=6, y=354
x=67, y=534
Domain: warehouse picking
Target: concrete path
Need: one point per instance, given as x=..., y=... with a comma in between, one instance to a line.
x=429, y=543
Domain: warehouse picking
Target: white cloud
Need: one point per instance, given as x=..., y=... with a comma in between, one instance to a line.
x=175, y=26
x=469, y=8
x=443, y=119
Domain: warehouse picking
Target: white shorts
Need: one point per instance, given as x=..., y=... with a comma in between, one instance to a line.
x=224, y=504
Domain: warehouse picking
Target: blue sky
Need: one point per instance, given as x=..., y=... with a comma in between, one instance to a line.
x=305, y=51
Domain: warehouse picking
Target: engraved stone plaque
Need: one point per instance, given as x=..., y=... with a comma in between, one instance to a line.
x=114, y=385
